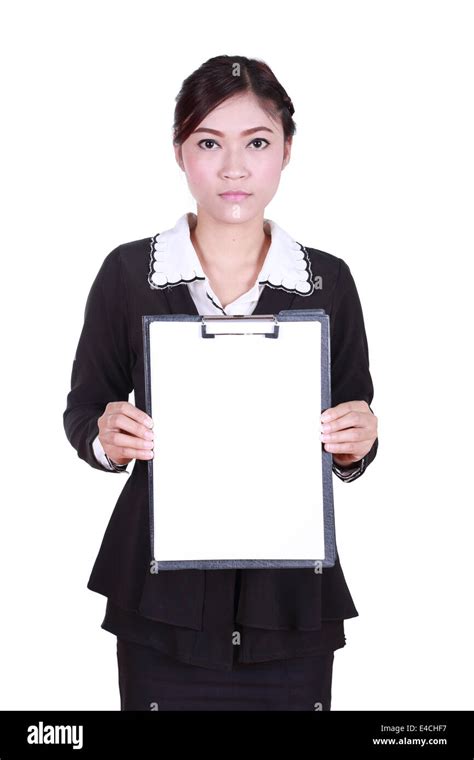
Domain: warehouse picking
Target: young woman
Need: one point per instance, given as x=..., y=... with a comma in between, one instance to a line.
x=246, y=639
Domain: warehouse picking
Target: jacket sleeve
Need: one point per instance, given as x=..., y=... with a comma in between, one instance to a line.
x=101, y=369
x=350, y=375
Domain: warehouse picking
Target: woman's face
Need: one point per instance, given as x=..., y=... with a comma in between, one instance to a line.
x=218, y=157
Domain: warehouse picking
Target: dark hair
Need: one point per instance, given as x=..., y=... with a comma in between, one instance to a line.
x=220, y=78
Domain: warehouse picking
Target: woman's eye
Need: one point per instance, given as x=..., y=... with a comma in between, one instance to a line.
x=255, y=140
x=208, y=140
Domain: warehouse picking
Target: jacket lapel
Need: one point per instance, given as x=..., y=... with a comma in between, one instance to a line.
x=273, y=300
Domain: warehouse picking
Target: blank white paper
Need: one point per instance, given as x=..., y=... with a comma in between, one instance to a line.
x=237, y=469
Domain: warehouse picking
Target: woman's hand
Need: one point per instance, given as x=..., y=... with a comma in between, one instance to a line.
x=349, y=431
x=124, y=432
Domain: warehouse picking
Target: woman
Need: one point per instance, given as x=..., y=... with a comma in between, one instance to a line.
x=250, y=639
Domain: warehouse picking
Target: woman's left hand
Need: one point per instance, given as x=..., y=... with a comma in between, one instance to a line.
x=348, y=431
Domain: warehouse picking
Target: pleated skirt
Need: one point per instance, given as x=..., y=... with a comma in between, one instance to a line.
x=151, y=680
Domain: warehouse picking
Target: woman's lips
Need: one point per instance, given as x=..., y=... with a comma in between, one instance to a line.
x=234, y=196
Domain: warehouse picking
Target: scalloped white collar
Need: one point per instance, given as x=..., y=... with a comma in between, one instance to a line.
x=174, y=261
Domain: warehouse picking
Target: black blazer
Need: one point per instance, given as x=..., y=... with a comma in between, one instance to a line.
x=108, y=364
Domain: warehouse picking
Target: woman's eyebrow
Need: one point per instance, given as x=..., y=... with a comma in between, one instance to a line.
x=243, y=134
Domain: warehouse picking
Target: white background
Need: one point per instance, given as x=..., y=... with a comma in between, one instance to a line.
x=381, y=175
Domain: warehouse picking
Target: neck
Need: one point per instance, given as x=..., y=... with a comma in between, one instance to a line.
x=229, y=246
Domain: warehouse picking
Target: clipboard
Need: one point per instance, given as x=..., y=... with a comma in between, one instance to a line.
x=239, y=477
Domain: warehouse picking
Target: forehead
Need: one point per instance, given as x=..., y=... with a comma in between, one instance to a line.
x=240, y=112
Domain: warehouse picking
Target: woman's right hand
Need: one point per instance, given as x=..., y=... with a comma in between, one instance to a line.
x=124, y=432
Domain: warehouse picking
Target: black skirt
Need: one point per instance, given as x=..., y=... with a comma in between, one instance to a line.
x=151, y=680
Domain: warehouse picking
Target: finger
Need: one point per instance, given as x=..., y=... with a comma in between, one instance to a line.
x=351, y=435
x=121, y=440
x=346, y=448
x=120, y=421
x=121, y=446
x=125, y=452
x=129, y=410
x=351, y=419
x=334, y=412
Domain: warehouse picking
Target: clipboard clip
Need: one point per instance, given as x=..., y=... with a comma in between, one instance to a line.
x=257, y=325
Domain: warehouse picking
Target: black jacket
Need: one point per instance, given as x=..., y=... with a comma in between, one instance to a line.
x=108, y=365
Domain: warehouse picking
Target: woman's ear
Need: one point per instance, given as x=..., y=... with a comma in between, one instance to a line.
x=287, y=152
x=179, y=156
